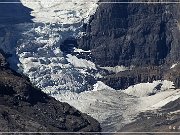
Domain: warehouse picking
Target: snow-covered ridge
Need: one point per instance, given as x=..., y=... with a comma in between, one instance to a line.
x=101, y=86
x=61, y=11
x=147, y=89
x=154, y=95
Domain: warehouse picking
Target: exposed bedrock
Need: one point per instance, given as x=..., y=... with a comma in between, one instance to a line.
x=131, y=34
x=24, y=108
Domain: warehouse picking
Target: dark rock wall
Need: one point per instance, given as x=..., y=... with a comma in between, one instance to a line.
x=24, y=108
x=146, y=36
x=133, y=34
x=123, y=80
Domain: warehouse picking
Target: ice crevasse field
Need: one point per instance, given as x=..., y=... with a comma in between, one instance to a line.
x=37, y=54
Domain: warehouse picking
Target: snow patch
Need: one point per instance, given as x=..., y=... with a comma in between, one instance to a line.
x=174, y=96
x=147, y=89
x=81, y=50
x=61, y=11
x=116, y=69
x=175, y=112
x=101, y=86
x=158, y=100
x=80, y=63
x=153, y=95
x=174, y=65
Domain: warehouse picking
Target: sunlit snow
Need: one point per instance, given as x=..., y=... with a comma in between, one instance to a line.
x=35, y=49
x=114, y=109
x=174, y=65
x=37, y=53
x=61, y=11
x=117, y=69
x=147, y=89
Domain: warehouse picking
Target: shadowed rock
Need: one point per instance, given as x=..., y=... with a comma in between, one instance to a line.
x=24, y=108
x=13, y=13
x=133, y=34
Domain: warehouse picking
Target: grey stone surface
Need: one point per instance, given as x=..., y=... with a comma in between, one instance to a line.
x=24, y=108
x=133, y=34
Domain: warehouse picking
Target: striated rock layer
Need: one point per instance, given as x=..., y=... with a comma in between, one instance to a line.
x=135, y=34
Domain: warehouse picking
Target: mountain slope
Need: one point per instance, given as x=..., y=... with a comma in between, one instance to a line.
x=25, y=108
x=133, y=33
x=144, y=36
x=165, y=120
x=123, y=42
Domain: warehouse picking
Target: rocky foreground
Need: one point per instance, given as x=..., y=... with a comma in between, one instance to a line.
x=25, y=108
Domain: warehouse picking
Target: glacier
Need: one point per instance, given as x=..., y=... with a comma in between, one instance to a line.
x=35, y=51
x=116, y=108
x=61, y=11
x=35, y=47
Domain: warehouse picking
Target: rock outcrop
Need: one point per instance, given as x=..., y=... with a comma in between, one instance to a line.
x=133, y=34
x=24, y=108
x=123, y=80
x=143, y=35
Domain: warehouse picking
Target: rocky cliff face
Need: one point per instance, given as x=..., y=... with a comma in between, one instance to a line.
x=133, y=34
x=123, y=80
x=25, y=108
x=145, y=36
